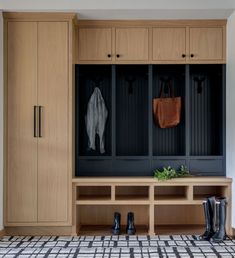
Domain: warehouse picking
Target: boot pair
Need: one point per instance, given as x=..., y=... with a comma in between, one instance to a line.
x=214, y=210
x=130, y=227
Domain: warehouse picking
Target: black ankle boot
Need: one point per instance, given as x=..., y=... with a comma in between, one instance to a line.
x=209, y=212
x=220, y=233
x=130, y=227
x=116, y=229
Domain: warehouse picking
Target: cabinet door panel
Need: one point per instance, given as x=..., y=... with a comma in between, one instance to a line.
x=206, y=43
x=22, y=146
x=94, y=44
x=169, y=44
x=132, y=44
x=53, y=145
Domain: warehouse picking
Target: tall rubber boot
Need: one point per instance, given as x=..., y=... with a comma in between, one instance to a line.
x=209, y=212
x=220, y=234
x=116, y=229
x=130, y=227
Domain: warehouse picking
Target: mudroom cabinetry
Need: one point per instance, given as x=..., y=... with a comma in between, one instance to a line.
x=152, y=42
x=39, y=126
x=54, y=184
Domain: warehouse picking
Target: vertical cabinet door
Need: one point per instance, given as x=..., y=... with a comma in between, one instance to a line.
x=132, y=44
x=95, y=44
x=21, y=178
x=206, y=44
x=53, y=177
x=169, y=44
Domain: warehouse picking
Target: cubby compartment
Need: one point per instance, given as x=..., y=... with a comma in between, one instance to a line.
x=135, y=145
x=98, y=219
x=206, y=110
x=170, y=193
x=130, y=192
x=169, y=141
x=131, y=110
x=87, y=78
x=202, y=192
x=179, y=219
x=93, y=192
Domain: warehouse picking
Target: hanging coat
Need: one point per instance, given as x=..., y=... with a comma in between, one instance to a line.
x=95, y=119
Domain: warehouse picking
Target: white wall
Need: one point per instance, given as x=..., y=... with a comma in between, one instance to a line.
x=1, y=121
x=115, y=4
x=129, y=9
x=230, y=106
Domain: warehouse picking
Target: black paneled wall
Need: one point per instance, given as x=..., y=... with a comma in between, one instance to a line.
x=206, y=105
x=134, y=144
x=132, y=110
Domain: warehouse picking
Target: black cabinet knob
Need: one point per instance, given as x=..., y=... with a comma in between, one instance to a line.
x=192, y=55
x=109, y=55
x=117, y=55
x=183, y=55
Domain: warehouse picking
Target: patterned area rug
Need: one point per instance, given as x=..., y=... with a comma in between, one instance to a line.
x=114, y=247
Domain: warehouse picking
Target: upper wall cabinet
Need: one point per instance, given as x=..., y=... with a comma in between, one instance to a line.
x=132, y=44
x=169, y=44
x=206, y=44
x=95, y=44
x=152, y=42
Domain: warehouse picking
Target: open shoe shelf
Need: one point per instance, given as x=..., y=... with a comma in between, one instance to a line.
x=154, y=203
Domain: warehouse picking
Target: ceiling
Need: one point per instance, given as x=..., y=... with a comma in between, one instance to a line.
x=129, y=9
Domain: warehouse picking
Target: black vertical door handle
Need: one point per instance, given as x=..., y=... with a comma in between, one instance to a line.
x=40, y=122
x=35, y=121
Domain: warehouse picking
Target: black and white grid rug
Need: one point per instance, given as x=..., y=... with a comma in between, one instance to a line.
x=114, y=247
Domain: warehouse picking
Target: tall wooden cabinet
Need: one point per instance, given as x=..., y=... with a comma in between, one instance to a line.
x=21, y=165
x=53, y=98
x=38, y=114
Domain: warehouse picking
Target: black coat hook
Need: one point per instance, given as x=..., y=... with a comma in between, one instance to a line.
x=199, y=82
x=130, y=80
x=97, y=80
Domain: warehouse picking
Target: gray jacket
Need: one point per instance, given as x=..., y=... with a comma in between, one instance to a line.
x=95, y=119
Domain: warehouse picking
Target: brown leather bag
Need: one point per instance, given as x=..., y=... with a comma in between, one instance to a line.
x=166, y=111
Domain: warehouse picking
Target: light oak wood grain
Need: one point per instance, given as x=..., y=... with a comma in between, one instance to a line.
x=206, y=43
x=53, y=145
x=39, y=16
x=151, y=23
x=169, y=44
x=164, y=43
x=94, y=44
x=132, y=44
x=21, y=144
x=38, y=231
